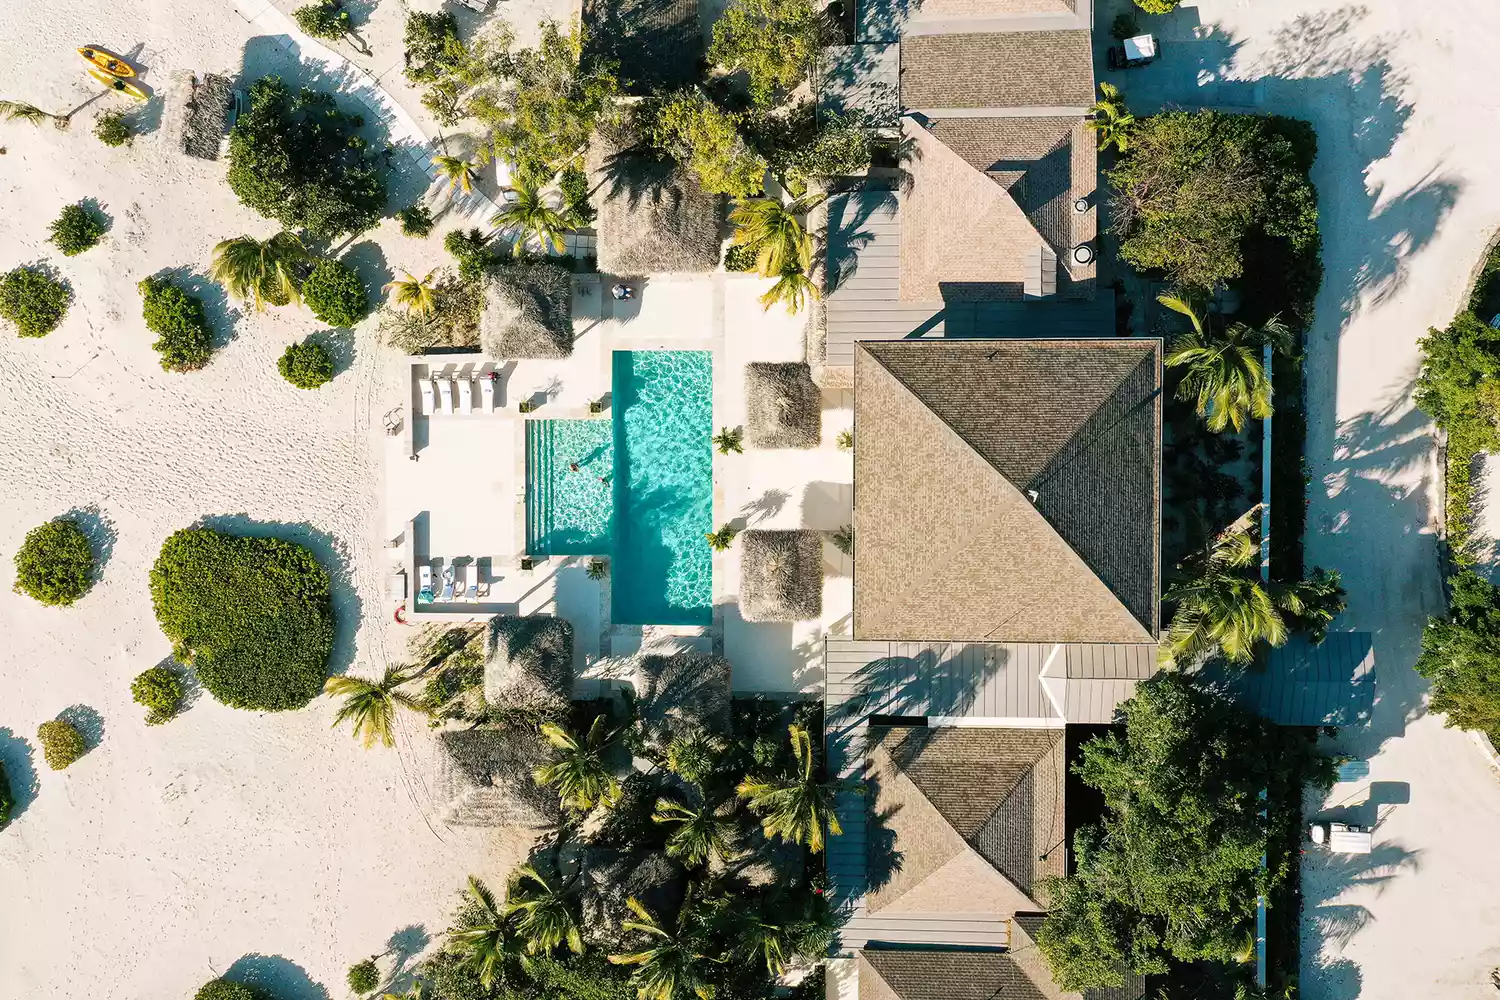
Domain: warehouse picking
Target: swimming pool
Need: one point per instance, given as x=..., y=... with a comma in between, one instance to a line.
x=663, y=426
x=569, y=511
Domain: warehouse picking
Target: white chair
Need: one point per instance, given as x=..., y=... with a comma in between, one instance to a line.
x=428, y=401
x=424, y=583
x=471, y=581
x=445, y=395
x=465, y=395
x=447, y=594
x=487, y=393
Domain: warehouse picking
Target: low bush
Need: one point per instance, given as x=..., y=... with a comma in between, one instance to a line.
x=253, y=616
x=1157, y=6
x=741, y=257
x=363, y=977
x=323, y=19
x=575, y=189
x=306, y=365
x=33, y=301
x=75, y=230
x=183, y=337
x=55, y=563
x=7, y=801
x=223, y=989
x=159, y=691
x=62, y=743
x=335, y=294
x=416, y=220
x=111, y=128
x=471, y=249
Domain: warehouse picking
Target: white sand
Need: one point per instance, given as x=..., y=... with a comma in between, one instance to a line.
x=168, y=853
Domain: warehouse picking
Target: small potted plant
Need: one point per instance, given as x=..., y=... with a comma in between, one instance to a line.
x=596, y=405
x=730, y=440
x=526, y=405
x=598, y=568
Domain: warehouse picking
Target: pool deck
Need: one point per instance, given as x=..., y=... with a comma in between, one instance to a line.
x=463, y=496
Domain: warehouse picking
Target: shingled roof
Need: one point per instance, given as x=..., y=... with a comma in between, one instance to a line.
x=953, y=974
x=976, y=814
x=1032, y=511
x=1015, y=69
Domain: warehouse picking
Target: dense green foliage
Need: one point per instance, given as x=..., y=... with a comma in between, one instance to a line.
x=323, y=19
x=223, y=989
x=416, y=220
x=1461, y=656
x=333, y=291
x=1157, y=6
x=76, y=229
x=252, y=616
x=1202, y=196
x=363, y=977
x=55, y=563
x=33, y=301
x=307, y=365
x=799, y=144
x=431, y=45
x=471, y=249
x=574, y=184
x=1173, y=872
x=7, y=800
x=112, y=129
x=705, y=138
x=62, y=743
x=183, y=337
x=295, y=158
x=159, y=690
x=741, y=257
x=774, y=41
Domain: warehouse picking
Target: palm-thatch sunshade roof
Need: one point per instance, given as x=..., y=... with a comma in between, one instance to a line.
x=204, y=112
x=654, y=216
x=528, y=312
x=681, y=692
x=485, y=778
x=529, y=663
x=785, y=404
x=656, y=44
x=781, y=575
x=610, y=877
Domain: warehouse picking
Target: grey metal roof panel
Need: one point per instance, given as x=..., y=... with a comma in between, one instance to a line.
x=963, y=680
x=1332, y=684
x=1110, y=661
x=863, y=80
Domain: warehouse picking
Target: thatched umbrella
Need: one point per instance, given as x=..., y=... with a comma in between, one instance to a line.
x=781, y=575
x=528, y=312
x=610, y=877
x=681, y=693
x=485, y=779
x=528, y=664
x=204, y=112
x=654, y=217
x=786, y=406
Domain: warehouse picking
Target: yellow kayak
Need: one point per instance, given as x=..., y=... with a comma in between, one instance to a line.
x=110, y=63
x=116, y=84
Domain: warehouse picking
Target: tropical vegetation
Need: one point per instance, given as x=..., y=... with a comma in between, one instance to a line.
x=774, y=229
x=306, y=364
x=160, y=691
x=793, y=289
x=415, y=295
x=1222, y=371
x=775, y=42
x=23, y=112
x=721, y=537
x=62, y=743
x=261, y=271
x=335, y=293
x=531, y=217
x=363, y=977
x=461, y=174
x=112, y=128
x=33, y=301
x=795, y=805
x=326, y=19
x=76, y=229
x=252, y=616
x=7, y=798
x=370, y=706
x=582, y=779
x=1110, y=119
x=416, y=220
x=1461, y=655
x=183, y=337
x=55, y=564
x=223, y=989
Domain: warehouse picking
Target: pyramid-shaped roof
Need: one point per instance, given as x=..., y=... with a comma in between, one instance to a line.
x=1031, y=510
x=951, y=974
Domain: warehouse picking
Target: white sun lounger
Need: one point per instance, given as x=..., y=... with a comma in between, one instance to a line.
x=447, y=594
x=486, y=393
x=465, y=395
x=445, y=395
x=427, y=397
x=471, y=581
x=424, y=581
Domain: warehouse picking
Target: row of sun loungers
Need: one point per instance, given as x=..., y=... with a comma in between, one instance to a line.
x=454, y=586
x=457, y=394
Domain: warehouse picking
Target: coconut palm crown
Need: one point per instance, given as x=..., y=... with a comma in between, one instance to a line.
x=798, y=806
x=580, y=775
x=1110, y=120
x=483, y=937
x=414, y=294
x=775, y=230
x=793, y=289
x=546, y=920
x=530, y=214
x=672, y=964
x=1223, y=373
x=260, y=271
x=371, y=705
x=459, y=173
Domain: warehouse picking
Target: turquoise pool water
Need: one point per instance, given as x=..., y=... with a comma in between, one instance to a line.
x=663, y=426
x=569, y=512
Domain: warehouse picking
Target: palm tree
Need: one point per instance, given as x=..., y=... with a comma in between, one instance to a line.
x=779, y=929
x=546, y=911
x=703, y=831
x=21, y=111
x=458, y=172
x=775, y=231
x=530, y=214
x=371, y=704
x=730, y=440
x=414, y=294
x=721, y=539
x=580, y=775
x=694, y=756
x=1227, y=608
x=793, y=288
x=1224, y=373
x=1112, y=120
x=260, y=270
x=671, y=967
x=483, y=936
x=795, y=807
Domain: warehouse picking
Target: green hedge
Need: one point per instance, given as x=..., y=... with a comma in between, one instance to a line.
x=55, y=563
x=335, y=294
x=34, y=302
x=253, y=616
x=183, y=337
x=62, y=743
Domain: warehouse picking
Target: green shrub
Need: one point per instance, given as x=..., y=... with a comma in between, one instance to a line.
x=1124, y=26
x=75, y=230
x=183, y=337
x=575, y=189
x=55, y=563
x=705, y=138
x=416, y=220
x=774, y=41
x=111, y=128
x=7, y=801
x=62, y=743
x=323, y=19
x=290, y=160
x=306, y=365
x=252, y=616
x=363, y=977
x=33, y=301
x=223, y=989
x=431, y=46
x=335, y=294
x=1157, y=6
x=159, y=691
x=741, y=257
x=472, y=251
